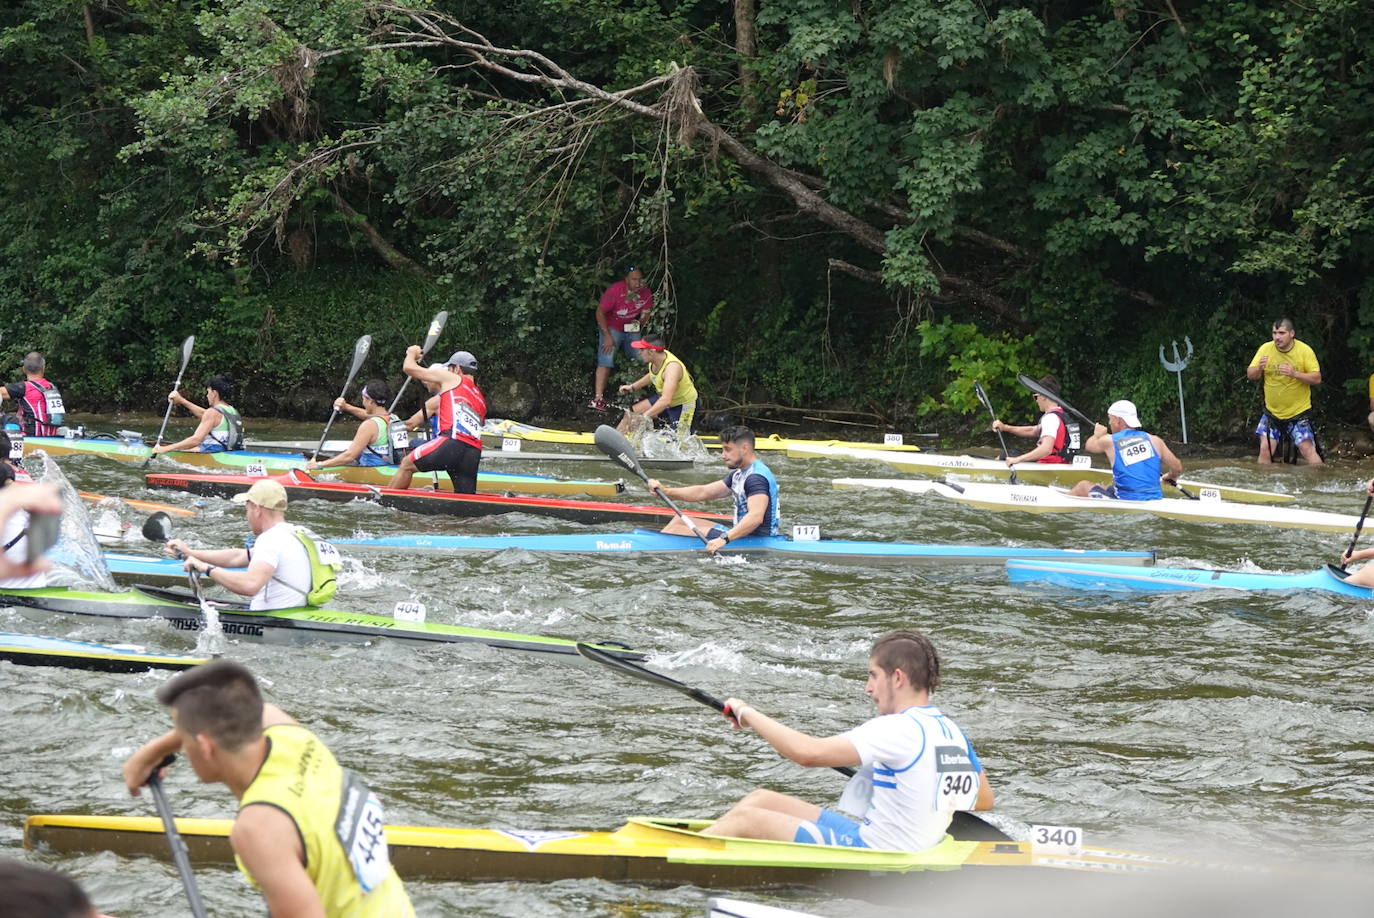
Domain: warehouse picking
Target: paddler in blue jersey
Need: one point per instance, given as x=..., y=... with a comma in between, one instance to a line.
x=1139, y=460
x=750, y=483
x=915, y=767
x=308, y=832
x=372, y=444
x=220, y=428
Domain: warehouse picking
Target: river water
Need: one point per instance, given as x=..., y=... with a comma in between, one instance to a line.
x=1176, y=724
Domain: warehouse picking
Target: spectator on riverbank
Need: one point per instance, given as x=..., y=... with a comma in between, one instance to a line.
x=620, y=316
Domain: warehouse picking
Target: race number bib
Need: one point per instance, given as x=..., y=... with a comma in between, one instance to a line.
x=359, y=828
x=632, y=327
x=53, y=400
x=958, y=782
x=329, y=555
x=1135, y=449
x=466, y=420
x=398, y=435
x=16, y=446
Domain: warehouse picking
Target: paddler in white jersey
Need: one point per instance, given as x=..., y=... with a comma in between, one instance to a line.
x=279, y=572
x=915, y=766
x=308, y=832
x=750, y=483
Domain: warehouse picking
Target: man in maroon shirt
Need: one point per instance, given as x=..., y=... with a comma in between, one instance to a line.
x=623, y=309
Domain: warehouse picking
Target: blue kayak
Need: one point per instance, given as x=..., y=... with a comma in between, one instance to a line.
x=1115, y=578
x=643, y=541
x=36, y=650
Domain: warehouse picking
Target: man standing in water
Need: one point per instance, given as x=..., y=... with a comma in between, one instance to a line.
x=917, y=767
x=308, y=832
x=1290, y=370
x=750, y=483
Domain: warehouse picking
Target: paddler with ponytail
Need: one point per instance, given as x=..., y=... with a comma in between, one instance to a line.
x=220, y=428
x=286, y=568
x=372, y=444
x=308, y=832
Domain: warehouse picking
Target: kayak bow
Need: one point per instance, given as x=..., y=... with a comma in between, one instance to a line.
x=1117, y=579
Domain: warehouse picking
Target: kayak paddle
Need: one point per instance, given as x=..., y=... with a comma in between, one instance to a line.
x=970, y=825
x=618, y=449
x=174, y=839
x=436, y=328
x=983, y=397
x=186, y=347
x=158, y=528
x=1358, y=526
x=360, y=349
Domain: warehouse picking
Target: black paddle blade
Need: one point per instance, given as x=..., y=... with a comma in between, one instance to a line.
x=1038, y=389
x=636, y=671
x=158, y=527
x=613, y=443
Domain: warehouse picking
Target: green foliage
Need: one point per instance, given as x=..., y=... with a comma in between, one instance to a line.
x=969, y=356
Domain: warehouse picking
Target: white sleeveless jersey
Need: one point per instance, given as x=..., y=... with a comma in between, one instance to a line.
x=922, y=769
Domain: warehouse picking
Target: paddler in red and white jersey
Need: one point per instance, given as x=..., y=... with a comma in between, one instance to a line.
x=40, y=404
x=1058, y=438
x=461, y=412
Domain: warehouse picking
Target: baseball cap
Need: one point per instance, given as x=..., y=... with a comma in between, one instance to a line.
x=1126, y=411
x=267, y=494
x=650, y=343
x=463, y=360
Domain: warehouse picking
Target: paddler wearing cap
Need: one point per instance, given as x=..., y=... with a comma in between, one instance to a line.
x=675, y=405
x=1139, y=460
x=461, y=410
x=286, y=567
x=1056, y=435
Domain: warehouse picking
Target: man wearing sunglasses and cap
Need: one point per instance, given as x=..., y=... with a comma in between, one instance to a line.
x=1139, y=460
x=461, y=410
x=675, y=405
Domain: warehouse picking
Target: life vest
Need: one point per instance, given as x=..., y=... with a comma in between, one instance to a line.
x=1069, y=440
x=325, y=565
x=383, y=446
x=44, y=411
x=227, y=434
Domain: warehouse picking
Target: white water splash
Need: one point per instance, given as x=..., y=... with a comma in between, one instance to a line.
x=76, y=546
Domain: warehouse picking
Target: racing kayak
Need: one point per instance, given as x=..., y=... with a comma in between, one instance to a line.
x=147, y=506
x=643, y=541
x=660, y=851
x=281, y=626
x=1044, y=473
x=36, y=650
x=1039, y=499
x=142, y=568
x=242, y=460
x=300, y=486
x=1115, y=578
x=334, y=447
x=497, y=429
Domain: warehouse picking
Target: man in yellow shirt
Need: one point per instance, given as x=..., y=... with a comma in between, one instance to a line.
x=308, y=832
x=1290, y=370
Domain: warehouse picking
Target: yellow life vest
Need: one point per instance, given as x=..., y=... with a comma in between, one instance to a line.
x=339, y=822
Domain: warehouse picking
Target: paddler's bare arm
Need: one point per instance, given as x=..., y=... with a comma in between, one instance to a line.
x=268, y=843
x=1029, y=431
x=713, y=490
x=365, y=434
x=227, y=557
x=985, y=795
x=209, y=418
x=139, y=766
x=1172, y=466
x=441, y=378
x=802, y=748
x=1044, y=448
x=645, y=380
x=244, y=583
x=1100, y=441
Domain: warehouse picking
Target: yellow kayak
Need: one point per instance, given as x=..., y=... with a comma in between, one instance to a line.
x=497, y=429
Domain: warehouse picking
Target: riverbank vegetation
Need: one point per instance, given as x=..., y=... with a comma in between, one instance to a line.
x=863, y=206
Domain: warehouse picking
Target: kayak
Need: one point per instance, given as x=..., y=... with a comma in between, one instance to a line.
x=723, y=907
x=643, y=541
x=658, y=851
x=334, y=447
x=1118, y=579
x=1038, y=499
x=129, y=450
x=127, y=568
x=300, y=486
x=497, y=429
x=1043, y=473
x=148, y=506
x=282, y=626
x=36, y=650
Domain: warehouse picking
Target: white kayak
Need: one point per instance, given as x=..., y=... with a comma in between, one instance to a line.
x=721, y=907
x=1039, y=499
x=1042, y=473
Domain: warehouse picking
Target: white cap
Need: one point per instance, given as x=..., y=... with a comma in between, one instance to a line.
x=1126, y=411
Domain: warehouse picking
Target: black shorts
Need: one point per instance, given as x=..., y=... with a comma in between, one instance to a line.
x=458, y=459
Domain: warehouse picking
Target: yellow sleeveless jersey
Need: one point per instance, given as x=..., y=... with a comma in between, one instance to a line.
x=686, y=393
x=339, y=822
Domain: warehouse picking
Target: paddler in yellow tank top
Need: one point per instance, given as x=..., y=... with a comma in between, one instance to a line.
x=675, y=404
x=308, y=832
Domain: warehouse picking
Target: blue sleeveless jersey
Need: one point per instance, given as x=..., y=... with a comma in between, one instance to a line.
x=1135, y=466
x=754, y=479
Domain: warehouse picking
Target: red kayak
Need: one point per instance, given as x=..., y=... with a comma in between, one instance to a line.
x=300, y=486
